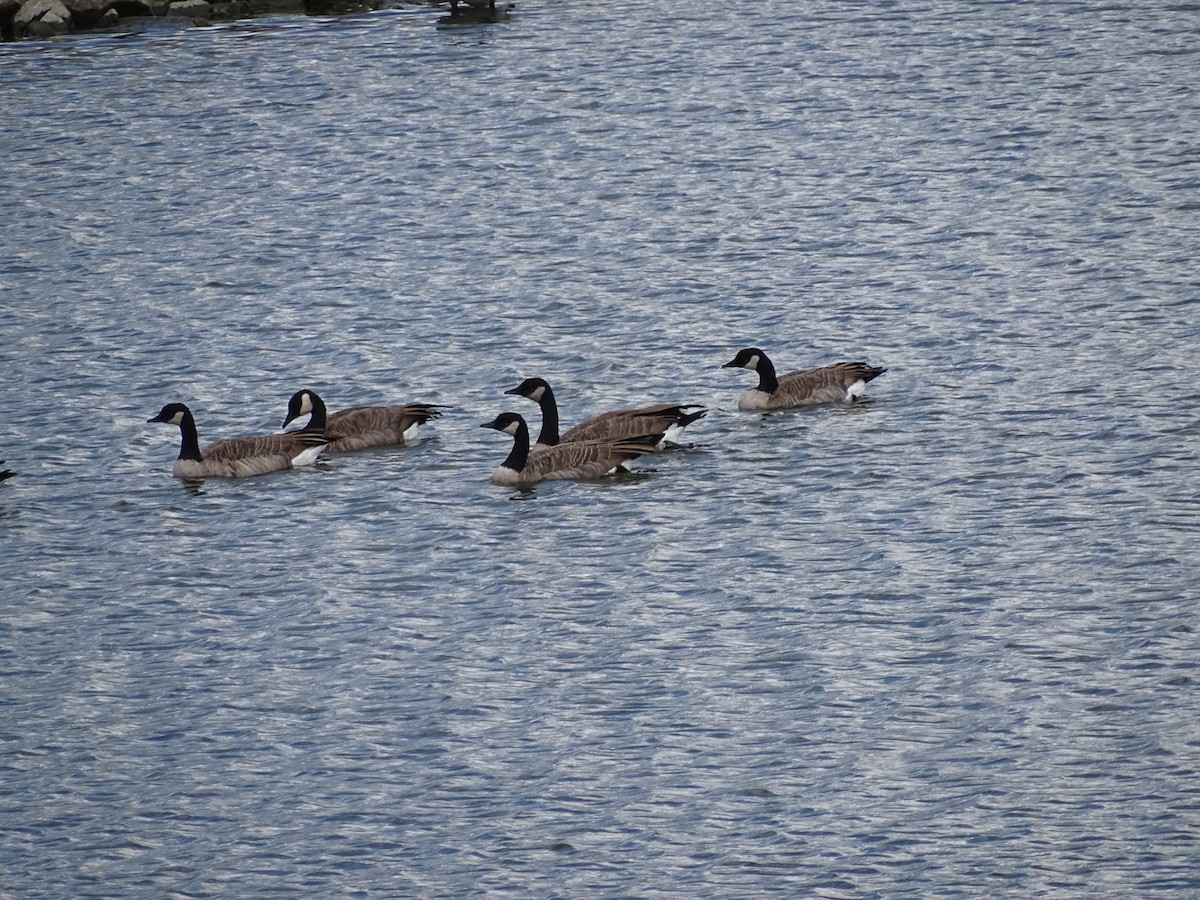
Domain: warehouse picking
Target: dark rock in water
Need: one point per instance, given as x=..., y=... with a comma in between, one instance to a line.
x=235, y=9
x=127, y=8
x=86, y=13
x=8, y=9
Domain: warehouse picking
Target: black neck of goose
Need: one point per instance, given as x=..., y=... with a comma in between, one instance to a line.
x=316, y=421
x=549, y=433
x=519, y=454
x=189, y=440
x=767, y=382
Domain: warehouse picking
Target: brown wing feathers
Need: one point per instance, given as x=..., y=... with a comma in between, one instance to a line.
x=827, y=384
x=621, y=423
x=360, y=427
x=587, y=459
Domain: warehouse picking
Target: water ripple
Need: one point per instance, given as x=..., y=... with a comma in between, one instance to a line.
x=940, y=643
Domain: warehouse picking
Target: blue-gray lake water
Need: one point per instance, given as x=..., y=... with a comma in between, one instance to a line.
x=941, y=643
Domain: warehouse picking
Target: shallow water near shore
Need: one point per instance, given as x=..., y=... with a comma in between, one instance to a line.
x=943, y=642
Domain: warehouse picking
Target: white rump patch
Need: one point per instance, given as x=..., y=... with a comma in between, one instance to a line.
x=307, y=457
x=856, y=390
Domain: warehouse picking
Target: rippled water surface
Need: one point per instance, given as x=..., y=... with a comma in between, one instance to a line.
x=941, y=643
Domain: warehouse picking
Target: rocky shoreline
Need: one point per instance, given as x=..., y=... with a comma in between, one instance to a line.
x=20, y=19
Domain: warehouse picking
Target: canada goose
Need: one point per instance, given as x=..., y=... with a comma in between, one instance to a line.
x=475, y=12
x=237, y=457
x=7, y=473
x=842, y=382
x=359, y=427
x=576, y=460
x=667, y=418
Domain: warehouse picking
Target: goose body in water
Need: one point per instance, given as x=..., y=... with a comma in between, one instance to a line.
x=237, y=457
x=842, y=382
x=577, y=460
x=667, y=418
x=476, y=12
x=359, y=427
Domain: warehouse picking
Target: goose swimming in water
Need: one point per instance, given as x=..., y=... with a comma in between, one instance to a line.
x=842, y=382
x=577, y=460
x=667, y=418
x=360, y=427
x=476, y=12
x=237, y=457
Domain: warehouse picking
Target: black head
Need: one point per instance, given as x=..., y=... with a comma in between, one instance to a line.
x=508, y=422
x=746, y=359
x=172, y=413
x=301, y=404
x=533, y=388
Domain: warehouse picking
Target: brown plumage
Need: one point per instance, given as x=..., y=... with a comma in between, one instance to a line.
x=236, y=457
x=842, y=382
x=359, y=427
x=622, y=423
x=618, y=423
x=577, y=460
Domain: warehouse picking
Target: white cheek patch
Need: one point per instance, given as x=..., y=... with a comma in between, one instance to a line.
x=752, y=362
x=511, y=428
x=536, y=396
x=305, y=403
x=176, y=419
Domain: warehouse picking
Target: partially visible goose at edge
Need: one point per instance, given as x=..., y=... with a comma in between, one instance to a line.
x=578, y=460
x=667, y=418
x=359, y=427
x=476, y=12
x=842, y=382
x=237, y=457
x=7, y=473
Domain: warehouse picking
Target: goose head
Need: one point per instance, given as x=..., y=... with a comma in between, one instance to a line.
x=508, y=422
x=172, y=414
x=533, y=388
x=301, y=404
x=749, y=358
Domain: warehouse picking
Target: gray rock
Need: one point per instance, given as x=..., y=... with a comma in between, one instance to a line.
x=42, y=18
x=190, y=9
